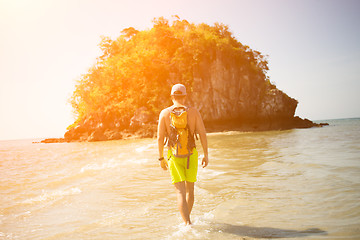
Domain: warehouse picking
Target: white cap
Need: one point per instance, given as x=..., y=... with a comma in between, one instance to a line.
x=178, y=90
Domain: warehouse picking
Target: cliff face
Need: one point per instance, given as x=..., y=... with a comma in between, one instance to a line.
x=226, y=93
x=229, y=98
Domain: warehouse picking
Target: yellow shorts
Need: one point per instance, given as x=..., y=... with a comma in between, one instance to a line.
x=178, y=170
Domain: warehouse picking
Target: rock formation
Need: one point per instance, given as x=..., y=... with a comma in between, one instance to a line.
x=123, y=93
x=226, y=99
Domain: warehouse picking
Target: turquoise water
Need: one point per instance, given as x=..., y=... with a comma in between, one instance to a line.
x=294, y=184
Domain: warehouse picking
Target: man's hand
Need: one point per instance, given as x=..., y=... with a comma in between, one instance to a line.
x=163, y=164
x=205, y=161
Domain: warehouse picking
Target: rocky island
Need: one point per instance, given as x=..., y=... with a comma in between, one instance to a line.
x=122, y=94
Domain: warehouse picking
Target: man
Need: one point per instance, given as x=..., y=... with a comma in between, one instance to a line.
x=183, y=175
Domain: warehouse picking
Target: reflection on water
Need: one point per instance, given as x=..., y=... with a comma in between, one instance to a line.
x=302, y=184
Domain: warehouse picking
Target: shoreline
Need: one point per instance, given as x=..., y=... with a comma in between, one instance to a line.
x=149, y=131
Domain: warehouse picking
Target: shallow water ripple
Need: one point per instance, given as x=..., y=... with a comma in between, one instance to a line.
x=295, y=184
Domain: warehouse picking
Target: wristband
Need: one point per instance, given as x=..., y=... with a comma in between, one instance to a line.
x=162, y=158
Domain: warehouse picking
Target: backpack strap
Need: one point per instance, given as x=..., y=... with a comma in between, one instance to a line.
x=188, y=162
x=173, y=109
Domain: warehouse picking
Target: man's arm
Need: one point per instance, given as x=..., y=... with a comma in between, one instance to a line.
x=161, y=137
x=200, y=129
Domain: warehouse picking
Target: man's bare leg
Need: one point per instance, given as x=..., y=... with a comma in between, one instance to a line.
x=182, y=203
x=189, y=195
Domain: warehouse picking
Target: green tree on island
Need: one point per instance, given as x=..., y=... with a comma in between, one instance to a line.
x=137, y=69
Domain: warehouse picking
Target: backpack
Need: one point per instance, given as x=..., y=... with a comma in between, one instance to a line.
x=180, y=140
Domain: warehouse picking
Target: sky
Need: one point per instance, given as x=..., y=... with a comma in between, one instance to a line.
x=313, y=48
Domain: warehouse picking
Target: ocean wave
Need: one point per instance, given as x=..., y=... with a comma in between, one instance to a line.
x=96, y=166
x=53, y=195
x=185, y=232
x=207, y=172
x=226, y=133
x=139, y=160
x=144, y=148
x=199, y=229
x=5, y=236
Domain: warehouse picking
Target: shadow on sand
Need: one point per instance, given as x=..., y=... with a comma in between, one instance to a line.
x=265, y=232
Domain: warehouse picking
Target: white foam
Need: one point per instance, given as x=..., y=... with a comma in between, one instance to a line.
x=146, y=147
x=225, y=133
x=211, y=172
x=7, y=236
x=198, y=230
x=185, y=231
x=209, y=216
x=53, y=195
x=112, y=218
x=204, y=219
x=96, y=166
x=201, y=191
x=137, y=160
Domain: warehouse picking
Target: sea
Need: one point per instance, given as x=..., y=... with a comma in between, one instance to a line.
x=292, y=184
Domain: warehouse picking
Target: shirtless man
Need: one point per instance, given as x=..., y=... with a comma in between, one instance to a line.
x=182, y=177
